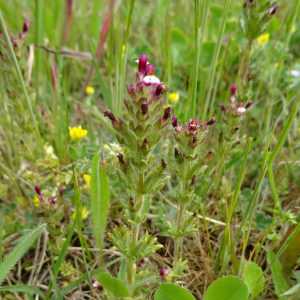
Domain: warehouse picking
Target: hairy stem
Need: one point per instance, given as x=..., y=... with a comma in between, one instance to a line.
x=135, y=231
x=177, y=242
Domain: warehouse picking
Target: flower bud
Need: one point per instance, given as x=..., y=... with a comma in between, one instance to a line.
x=144, y=107
x=174, y=121
x=62, y=190
x=193, y=180
x=223, y=107
x=53, y=200
x=164, y=272
x=157, y=230
x=274, y=9
x=142, y=261
x=26, y=26
x=159, y=89
x=37, y=189
x=233, y=90
x=248, y=104
x=116, y=222
x=148, y=283
x=110, y=115
x=97, y=285
x=167, y=113
x=164, y=163
x=143, y=63
x=211, y=122
x=42, y=111
x=121, y=158
x=131, y=201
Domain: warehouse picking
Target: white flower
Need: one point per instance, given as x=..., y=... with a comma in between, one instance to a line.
x=151, y=80
x=241, y=110
x=295, y=73
x=95, y=284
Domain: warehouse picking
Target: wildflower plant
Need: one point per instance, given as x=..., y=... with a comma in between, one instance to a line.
x=138, y=172
x=189, y=166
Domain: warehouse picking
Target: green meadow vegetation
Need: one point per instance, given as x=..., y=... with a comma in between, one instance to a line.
x=150, y=149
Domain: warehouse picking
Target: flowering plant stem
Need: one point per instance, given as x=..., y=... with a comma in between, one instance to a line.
x=178, y=255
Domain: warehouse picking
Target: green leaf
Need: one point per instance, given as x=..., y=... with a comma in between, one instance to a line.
x=73, y=153
x=19, y=251
x=252, y=274
x=122, y=271
x=170, y=291
x=227, y=288
x=141, y=282
x=82, y=154
x=56, y=287
x=22, y=288
x=292, y=290
x=99, y=199
x=279, y=282
x=112, y=284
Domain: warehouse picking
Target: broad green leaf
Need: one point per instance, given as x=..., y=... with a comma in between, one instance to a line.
x=99, y=199
x=73, y=153
x=170, y=291
x=75, y=283
x=227, y=288
x=292, y=290
x=112, y=284
x=122, y=271
x=279, y=282
x=19, y=251
x=252, y=274
x=141, y=282
x=23, y=288
x=56, y=287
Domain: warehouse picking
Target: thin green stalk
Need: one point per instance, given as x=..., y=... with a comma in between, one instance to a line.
x=273, y=189
x=135, y=231
x=177, y=242
x=22, y=83
x=209, y=83
x=199, y=40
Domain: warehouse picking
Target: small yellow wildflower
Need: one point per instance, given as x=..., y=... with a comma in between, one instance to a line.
x=294, y=29
x=87, y=179
x=174, y=97
x=36, y=201
x=165, y=106
x=90, y=90
x=263, y=39
x=277, y=65
x=77, y=134
x=84, y=213
x=124, y=48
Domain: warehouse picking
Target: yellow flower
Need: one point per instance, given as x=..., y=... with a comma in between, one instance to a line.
x=174, y=97
x=87, y=179
x=165, y=106
x=84, y=213
x=90, y=90
x=124, y=48
x=263, y=39
x=277, y=65
x=77, y=134
x=36, y=201
x=294, y=29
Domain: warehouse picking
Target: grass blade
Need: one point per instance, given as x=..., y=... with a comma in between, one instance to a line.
x=20, y=77
x=19, y=251
x=141, y=282
x=23, y=288
x=99, y=200
x=56, y=287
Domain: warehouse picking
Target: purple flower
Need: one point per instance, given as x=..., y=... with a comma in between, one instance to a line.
x=97, y=285
x=164, y=272
x=193, y=125
x=142, y=261
x=174, y=122
x=42, y=111
x=110, y=115
x=150, y=78
x=143, y=63
x=37, y=189
x=53, y=200
x=274, y=9
x=248, y=104
x=148, y=283
x=159, y=90
x=167, y=113
x=26, y=26
x=62, y=190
